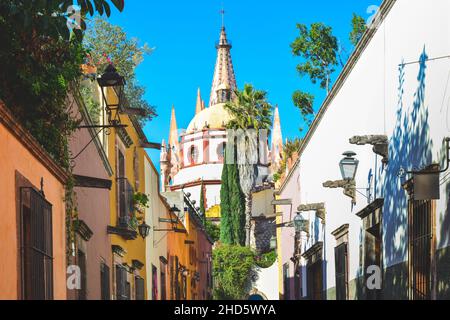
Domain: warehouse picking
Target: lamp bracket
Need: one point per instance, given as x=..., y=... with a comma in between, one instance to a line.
x=431, y=168
x=380, y=144
x=349, y=187
x=318, y=207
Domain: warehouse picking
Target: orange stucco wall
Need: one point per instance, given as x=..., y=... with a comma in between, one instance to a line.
x=15, y=157
x=177, y=247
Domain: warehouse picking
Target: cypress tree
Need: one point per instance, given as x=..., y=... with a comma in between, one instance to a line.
x=226, y=225
x=237, y=204
x=202, y=204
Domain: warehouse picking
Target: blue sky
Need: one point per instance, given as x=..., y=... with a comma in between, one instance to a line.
x=184, y=33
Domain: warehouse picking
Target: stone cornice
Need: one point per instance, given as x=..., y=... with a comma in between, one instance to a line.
x=385, y=8
x=31, y=144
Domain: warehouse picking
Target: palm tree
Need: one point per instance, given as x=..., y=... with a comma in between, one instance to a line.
x=249, y=110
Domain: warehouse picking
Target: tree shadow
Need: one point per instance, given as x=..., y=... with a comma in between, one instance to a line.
x=410, y=148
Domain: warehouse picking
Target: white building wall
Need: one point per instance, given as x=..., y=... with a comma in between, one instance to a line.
x=156, y=242
x=367, y=103
x=265, y=282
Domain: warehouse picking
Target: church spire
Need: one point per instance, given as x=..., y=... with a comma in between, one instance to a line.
x=199, y=105
x=174, y=145
x=224, y=72
x=277, y=142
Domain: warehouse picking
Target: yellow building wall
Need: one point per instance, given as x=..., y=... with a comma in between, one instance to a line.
x=135, y=249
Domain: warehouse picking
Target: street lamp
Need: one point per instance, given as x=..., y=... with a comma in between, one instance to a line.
x=112, y=79
x=300, y=223
x=174, y=209
x=348, y=166
x=273, y=243
x=144, y=230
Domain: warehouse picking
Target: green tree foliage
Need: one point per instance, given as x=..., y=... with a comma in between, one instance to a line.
x=107, y=43
x=318, y=47
x=290, y=146
x=232, y=270
x=266, y=260
x=40, y=62
x=304, y=102
x=232, y=207
x=202, y=203
x=237, y=205
x=250, y=110
x=212, y=230
x=226, y=222
x=359, y=26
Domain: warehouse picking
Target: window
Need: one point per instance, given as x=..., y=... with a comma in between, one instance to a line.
x=82, y=293
x=341, y=271
x=184, y=284
x=221, y=151
x=121, y=183
x=154, y=283
x=421, y=225
x=104, y=281
x=314, y=271
x=122, y=286
x=314, y=274
x=37, y=246
x=177, y=280
x=286, y=282
x=136, y=168
x=140, y=288
x=172, y=278
x=163, y=281
x=127, y=291
x=370, y=248
x=297, y=282
x=193, y=155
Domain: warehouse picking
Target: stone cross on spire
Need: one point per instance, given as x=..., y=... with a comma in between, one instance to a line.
x=224, y=71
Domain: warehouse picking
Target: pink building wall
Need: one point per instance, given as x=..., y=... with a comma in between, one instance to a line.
x=93, y=208
x=290, y=191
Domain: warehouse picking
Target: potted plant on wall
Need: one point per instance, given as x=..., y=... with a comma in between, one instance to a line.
x=140, y=201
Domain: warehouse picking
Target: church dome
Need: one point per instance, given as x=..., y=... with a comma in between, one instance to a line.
x=214, y=117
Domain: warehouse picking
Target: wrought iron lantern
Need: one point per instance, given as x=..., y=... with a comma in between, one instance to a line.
x=174, y=209
x=273, y=243
x=112, y=79
x=300, y=224
x=144, y=230
x=349, y=166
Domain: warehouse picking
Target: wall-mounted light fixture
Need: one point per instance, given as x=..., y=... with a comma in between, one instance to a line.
x=144, y=229
x=112, y=79
x=300, y=223
x=348, y=166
